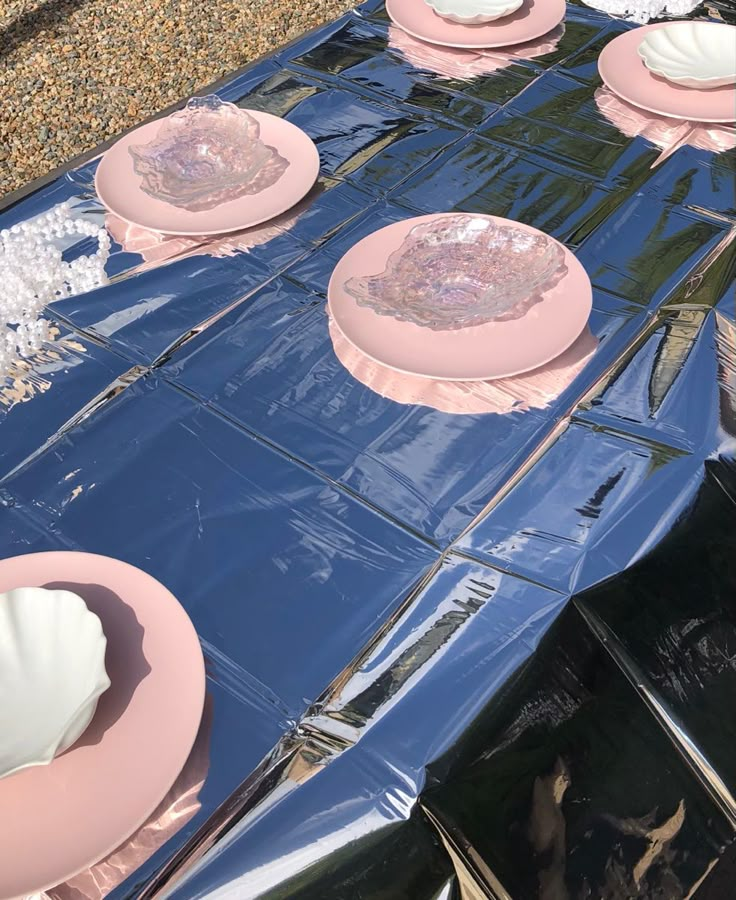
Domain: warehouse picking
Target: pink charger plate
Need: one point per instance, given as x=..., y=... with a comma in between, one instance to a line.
x=59, y=819
x=533, y=19
x=624, y=72
x=476, y=353
x=533, y=390
x=119, y=187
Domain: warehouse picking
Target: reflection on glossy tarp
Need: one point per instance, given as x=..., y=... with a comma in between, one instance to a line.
x=450, y=656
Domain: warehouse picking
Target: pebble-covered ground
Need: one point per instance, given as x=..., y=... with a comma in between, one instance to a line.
x=74, y=72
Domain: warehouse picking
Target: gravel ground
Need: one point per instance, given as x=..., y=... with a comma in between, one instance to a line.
x=74, y=72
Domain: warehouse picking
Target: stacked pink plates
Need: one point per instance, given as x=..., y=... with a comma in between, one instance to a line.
x=532, y=390
x=211, y=168
x=61, y=818
x=415, y=333
x=531, y=20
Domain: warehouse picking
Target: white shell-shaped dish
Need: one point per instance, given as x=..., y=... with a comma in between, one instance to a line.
x=474, y=12
x=692, y=54
x=52, y=672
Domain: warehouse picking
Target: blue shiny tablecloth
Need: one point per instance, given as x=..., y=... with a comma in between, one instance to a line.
x=448, y=656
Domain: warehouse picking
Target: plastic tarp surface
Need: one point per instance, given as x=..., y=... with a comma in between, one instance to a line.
x=449, y=657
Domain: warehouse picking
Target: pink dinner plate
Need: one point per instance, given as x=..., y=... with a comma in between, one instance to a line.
x=59, y=819
x=624, y=72
x=533, y=19
x=119, y=187
x=476, y=353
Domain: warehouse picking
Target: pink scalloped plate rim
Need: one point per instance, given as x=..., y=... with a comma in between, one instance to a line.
x=623, y=71
x=477, y=353
x=59, y=819
x=533, y=19
x=119, y=187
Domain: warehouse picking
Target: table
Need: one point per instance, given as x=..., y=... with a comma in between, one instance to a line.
x=448, y=656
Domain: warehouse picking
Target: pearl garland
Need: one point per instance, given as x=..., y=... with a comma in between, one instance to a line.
x=33, y=274
x=642, y=11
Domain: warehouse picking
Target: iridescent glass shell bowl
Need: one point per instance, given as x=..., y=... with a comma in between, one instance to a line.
x=462, y=270
x=206, y=154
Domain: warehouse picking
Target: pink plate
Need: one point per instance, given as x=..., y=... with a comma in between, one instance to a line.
x=624, y=72
x=477, y=353
x=119, y=187
x=533, y=19
x=59, y=819
x=532, y=390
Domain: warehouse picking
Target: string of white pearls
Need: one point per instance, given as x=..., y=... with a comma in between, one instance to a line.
x=33, y=274
x=642, y=11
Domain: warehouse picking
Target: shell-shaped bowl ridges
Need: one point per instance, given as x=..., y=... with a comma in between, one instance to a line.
x=692, y=54
x=474, y=12
x=206, y=154
x=462, y=270
x=52, y=673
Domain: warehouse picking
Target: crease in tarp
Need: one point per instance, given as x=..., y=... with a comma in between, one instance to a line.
x=449, y=890
x=719, y=264
x=681, y=327
x=726, y=360
x=165, y=355
x=687, y=491
x=693, y=755
x=319, y=749
x=562, y=422
x=358, y=707
x=314, y=716
x=23, y=380
x=360, y=818
x=476, y=881
x=256, y=789
x=91, y=408
x=423, y=640
x=680, y=333
x=340, y=486
x=242, y=685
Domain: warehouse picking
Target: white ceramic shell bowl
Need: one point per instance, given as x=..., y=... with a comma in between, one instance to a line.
x=692, y=54
x=52, y=673
x=474, y=12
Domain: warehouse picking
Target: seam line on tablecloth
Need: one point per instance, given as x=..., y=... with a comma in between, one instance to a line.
x=99, y=401
x=554, y=433
x=244, y=686
x=689, y=751
x=303, y=464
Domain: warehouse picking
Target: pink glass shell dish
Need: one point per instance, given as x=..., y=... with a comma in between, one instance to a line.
x=208, y=153
x=120, y=190
x=460, y=271
x=498, y=349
